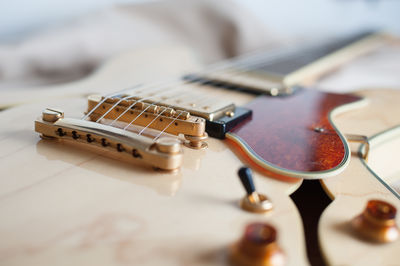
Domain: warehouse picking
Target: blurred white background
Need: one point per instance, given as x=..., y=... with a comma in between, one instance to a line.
x=21, y=18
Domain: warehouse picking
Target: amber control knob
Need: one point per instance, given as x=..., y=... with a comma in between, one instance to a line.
x=257, y=247
x=377, y=222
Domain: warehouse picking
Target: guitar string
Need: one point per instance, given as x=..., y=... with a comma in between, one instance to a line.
x=116, y=104
x=242, y=67
x=106, y=97
x=161, y=132
x=148, y=125
x=233, y=63
x=270, y=56
x=201, y=99
x=244, y=64
x=112, y=107
x=235, y=66
x=179, y=81
x=152, y=121
x=152, y=104
x=175, y=81
x=138, y=101
x=259, y=61
x=136, y=87
x=124, y=98
x=141, y=113
x=128, y=97
x=176, y=117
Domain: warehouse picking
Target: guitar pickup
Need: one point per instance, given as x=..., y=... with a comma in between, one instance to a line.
x=139, y=113
x=164, y=153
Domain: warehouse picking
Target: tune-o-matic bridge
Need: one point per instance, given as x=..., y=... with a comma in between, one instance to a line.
x=164, y=153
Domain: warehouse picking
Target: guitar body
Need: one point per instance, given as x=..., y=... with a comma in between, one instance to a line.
x=363, y=181
x=311, y=149
x=62, y=205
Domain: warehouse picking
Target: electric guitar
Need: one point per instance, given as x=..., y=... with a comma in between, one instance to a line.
x=149, y=175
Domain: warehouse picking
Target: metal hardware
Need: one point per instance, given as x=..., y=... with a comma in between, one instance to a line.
x=377, y=222
x=219, y=127
x=351, y=138
x=257, y=247
x=196, y=142
x=253, y=201
x=164, y=154
x=360, y=139
x=319, y=129
x=230, y=113
x=157, y=117
x=210, y=109
x=52, y=115
x=247, y=80
x=168, y=145
x=140, y=106
x=257, y=203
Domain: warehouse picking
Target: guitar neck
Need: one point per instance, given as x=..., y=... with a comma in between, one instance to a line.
x=274, y=72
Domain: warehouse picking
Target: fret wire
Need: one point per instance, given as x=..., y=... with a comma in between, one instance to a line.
x=242, y=60
x=250, y=61
x=260, y=54
x=260, y=57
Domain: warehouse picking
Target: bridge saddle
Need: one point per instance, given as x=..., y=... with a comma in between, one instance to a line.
x=143, y=114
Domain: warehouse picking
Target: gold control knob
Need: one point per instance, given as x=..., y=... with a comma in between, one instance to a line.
x=377, y=222
x=257, y=247
x=52, y=115
x=257, y=203
x=252, y=201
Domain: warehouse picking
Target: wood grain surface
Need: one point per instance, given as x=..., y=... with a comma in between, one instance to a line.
x=63, y=205
x=357, y=184
x=295, y=132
